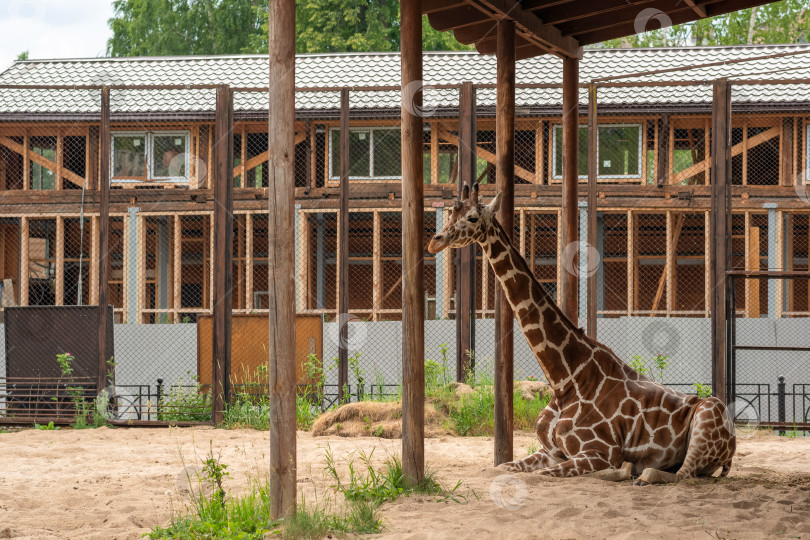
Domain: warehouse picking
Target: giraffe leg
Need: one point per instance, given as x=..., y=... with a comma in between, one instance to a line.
x=711, y=445
x=538, y=460
x=579, y=465
x=614, y=475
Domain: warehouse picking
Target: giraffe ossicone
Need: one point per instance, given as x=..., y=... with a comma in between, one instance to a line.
x=604, y=419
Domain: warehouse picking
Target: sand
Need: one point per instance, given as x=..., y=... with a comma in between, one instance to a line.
x=119, y=483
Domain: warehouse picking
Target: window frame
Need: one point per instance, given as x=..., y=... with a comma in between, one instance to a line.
x=357, y=129
x=641, y=160
x=149, y=142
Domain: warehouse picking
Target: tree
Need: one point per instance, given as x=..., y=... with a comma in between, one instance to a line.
x=23, y=56
x=779, y=22
x=172, y=27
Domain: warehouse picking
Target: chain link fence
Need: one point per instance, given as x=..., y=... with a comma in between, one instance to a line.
x=653, y=248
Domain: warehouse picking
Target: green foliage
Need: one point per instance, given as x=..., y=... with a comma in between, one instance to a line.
x=703, y=390
x=81, y=406
x=189, y=27
x=23, y=56
x=185, y=401
x=654, y=369
x=180, y=27
x=779, y=22
x=318, y=521
x=47, y=427
x=220, y=516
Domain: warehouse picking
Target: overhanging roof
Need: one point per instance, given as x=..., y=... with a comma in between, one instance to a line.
x=562, y=27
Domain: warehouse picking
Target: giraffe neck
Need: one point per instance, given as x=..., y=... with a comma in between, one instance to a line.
x=548, y=331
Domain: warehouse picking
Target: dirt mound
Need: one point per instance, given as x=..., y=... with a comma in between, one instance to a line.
x=372, y=418
x=531, y=389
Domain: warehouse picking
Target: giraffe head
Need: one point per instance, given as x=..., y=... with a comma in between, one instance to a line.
x=469, y=221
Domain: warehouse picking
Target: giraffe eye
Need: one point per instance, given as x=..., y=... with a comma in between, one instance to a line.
x=472, y=219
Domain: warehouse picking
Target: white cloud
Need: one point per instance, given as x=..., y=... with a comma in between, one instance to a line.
x=53, y=29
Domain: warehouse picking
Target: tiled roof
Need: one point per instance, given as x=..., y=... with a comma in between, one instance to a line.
x=383, y=69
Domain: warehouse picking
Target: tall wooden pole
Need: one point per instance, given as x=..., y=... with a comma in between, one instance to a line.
x=720, y=230
x=413, y=242
x=505, y=182
x=570, y=183
x=223, y=249
x=343, y=252
x=103, y=236
x=281, y=257
x=593, y=126
x=465, y=257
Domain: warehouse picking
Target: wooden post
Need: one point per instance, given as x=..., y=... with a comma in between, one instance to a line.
x=104, y=236
x=593, y=171
x=721, y=229
x=60, y=261
x=223, y=250
x=569, y=287
x=95, y=251
x=465, y=257
x=281, y=257
x=662, y=152
x=26, y=163
x=413, y=238
x=248, y=262
x=376, y=264
x=60, y=158
x=177, y=274
x=25, y=259
x=752, y=263
x=505, y=182
x=343, y=259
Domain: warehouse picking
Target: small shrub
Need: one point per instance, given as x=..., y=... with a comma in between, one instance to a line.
x=47, y=427
x=185, y=402
x=703, y=390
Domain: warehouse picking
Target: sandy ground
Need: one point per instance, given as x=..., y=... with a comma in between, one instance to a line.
x=119, y=483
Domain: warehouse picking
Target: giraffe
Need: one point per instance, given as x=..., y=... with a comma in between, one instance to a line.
x=604, y=419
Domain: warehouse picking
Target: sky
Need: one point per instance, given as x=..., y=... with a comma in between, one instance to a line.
x=53, y=29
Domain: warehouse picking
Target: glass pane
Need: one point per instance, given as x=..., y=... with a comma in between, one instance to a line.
x=618, y=150
x=169, y=156
x=387, y=153
x=129, y=156
x=359, y=156
x=582, y=165
x=42, y=178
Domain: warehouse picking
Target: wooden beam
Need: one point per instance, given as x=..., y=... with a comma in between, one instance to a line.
x=23, y=150
x=60, y=158
x=721, y=228
x=538, y=154
x=505, y=182
x=26, y=155
x=222, y=302
x=255, y=161
x=281, y=258
x=593, y=171
x=249, y=262
x=413, y=267
x=434, y=152
x=699, y=10
x=25, y=259
x=489, y=157
x=60, y=261
x=570, y=183
x=177, y=275
x=95, y=253
x=343, y=251
x=752, y=262
x=376, y=272
x=243, y=155
x=786, y=174
x=737, y=149
x=240, y=254
x=465, y=257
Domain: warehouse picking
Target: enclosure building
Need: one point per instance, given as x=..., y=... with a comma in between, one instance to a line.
x=653, y=167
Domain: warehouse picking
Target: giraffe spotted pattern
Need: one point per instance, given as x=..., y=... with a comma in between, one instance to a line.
x=604, y=418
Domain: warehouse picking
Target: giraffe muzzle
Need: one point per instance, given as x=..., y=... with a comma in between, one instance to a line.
x=437, y=243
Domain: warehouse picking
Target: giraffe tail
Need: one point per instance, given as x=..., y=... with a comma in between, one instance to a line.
x=726, y=469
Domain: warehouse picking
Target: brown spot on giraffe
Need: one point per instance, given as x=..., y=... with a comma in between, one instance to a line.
x=604, y=419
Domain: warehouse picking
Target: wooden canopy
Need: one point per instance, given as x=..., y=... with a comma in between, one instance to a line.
x=562, y=27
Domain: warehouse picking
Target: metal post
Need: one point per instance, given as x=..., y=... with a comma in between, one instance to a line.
x=343, y=252
x=132, y=265
x=780, y=401
x=773, y=258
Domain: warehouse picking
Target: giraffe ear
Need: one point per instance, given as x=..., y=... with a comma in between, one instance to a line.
x=495, y=204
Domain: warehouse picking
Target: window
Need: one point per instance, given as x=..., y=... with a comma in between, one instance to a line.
x=160, y=156
x=618, y=151
x=374, y=153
